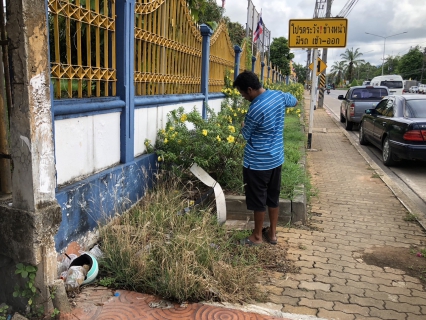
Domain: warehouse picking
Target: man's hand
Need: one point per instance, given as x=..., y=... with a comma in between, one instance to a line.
x=242, y=124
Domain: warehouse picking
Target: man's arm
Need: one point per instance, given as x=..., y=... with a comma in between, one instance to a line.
x=248, y=126
x=290, y=101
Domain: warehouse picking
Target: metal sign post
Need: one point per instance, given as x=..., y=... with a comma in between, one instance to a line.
x=313, y=100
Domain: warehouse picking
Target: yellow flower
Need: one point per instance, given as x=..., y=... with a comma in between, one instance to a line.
x=172, y=128
x=231, y=72
x=179, y=141
x=218, y=124
x=183, y=118
x=165, y=140
x=230, y=139
x=231, y=128
x=299, y=115
x=204, y=132
x=147, y=142
x=235, y=114
x=218, y=138
x=159, y=159
x=163, y=131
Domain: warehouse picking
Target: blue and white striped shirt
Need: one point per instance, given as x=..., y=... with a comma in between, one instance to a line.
x=263, y=130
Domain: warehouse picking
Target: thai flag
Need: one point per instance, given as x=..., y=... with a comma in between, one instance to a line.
x=259, y=29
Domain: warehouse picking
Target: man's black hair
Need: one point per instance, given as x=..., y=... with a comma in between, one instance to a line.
x=247, y=79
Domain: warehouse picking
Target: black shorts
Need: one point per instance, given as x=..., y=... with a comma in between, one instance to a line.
x=262, y=188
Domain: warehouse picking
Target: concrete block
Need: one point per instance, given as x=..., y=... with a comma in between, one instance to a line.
x=60, y=300
x=17, y=316
x=298, y=206
x=236, y=209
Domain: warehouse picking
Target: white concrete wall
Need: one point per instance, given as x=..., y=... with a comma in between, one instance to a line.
x=215, y=104
x=149, y=120
x=86, y=145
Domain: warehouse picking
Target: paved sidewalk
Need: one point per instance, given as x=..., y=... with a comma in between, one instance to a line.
x=354, y=213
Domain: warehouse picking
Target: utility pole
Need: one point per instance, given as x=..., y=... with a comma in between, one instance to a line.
x=423, y=66
x=324, y=57
x=313, y=84
x=308, y=73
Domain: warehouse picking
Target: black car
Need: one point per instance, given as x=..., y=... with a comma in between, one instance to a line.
x=397, y=126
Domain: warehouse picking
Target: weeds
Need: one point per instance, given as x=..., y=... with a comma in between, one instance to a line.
x=180, y=257
x=410, y=217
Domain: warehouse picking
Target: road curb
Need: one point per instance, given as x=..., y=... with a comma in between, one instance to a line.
x=396, y=190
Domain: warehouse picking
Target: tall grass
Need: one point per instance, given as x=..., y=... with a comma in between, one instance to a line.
x=292, y=173
x=188, y=257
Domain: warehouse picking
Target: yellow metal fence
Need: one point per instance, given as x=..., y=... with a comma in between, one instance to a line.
x=167, y=50
x=82, y=47
x=222, y=58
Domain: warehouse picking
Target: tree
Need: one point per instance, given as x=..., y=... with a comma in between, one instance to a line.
x=352, y=58
x=281, y=55
x=300, y=72
x=410, y=65
x=391, y=65
x=236, y=32
x=366, y=71
x=206, y=11
x=337, y=71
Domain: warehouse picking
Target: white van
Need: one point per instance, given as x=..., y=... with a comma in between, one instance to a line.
x=392, y=81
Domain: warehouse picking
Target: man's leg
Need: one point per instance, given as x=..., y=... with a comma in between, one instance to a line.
x=256, y=235
x=273, y=219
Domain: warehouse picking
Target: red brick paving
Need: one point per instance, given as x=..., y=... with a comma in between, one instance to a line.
x=100, y=303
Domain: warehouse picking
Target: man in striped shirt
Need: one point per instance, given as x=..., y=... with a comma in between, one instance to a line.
x=264, y=152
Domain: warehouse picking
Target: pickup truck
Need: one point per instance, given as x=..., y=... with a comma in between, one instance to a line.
x=357, y=100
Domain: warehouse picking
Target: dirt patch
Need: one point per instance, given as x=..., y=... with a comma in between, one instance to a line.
x=274, y=258
x=405, y=259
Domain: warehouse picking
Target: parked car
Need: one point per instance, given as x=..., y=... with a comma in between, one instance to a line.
x=414, y=89
x=357, y=100
x=422, y=88
x=397, y=126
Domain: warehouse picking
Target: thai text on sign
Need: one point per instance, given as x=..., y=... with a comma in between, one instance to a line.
x=317, y=33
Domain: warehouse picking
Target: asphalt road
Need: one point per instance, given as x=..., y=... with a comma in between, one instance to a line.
x=410, y=176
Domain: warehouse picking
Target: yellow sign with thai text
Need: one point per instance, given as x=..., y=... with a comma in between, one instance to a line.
x=317, y=33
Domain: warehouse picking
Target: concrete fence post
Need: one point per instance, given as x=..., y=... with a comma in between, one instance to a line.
x=237, y=51
x=125, y=22
x=253, y=61
x=206, y=33
x=28, y=226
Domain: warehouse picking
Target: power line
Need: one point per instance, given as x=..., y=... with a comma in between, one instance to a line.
x=347, y=8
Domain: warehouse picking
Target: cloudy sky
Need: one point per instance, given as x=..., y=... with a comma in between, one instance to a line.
x=384, y=18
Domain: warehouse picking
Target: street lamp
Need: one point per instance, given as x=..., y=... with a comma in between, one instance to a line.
x=384, y=43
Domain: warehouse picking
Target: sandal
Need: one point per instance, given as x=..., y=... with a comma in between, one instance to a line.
x=249, y=243
x=265, y=235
